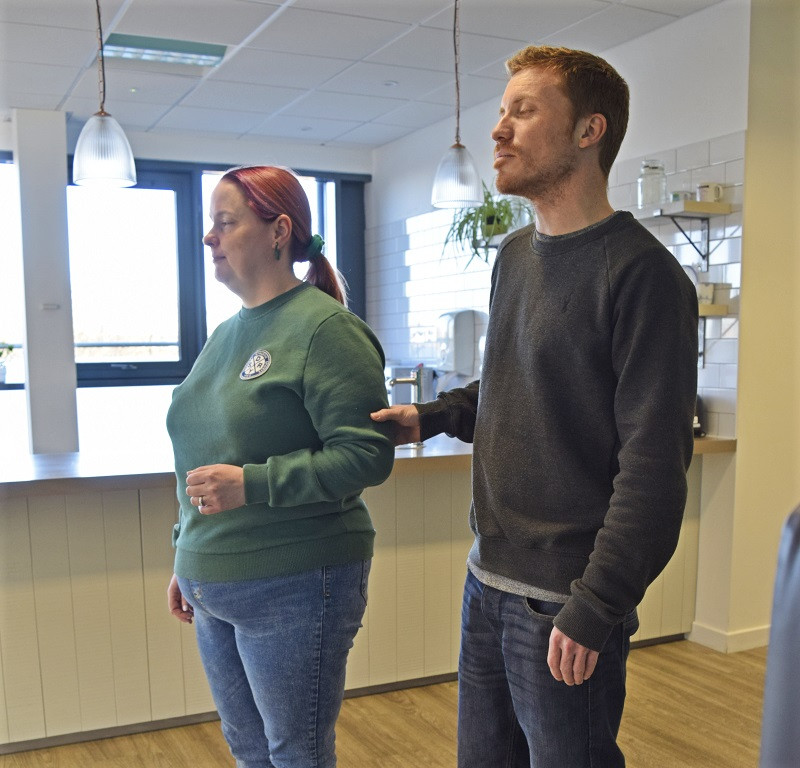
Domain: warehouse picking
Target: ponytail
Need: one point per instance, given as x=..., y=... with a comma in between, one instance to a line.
x=324, y=276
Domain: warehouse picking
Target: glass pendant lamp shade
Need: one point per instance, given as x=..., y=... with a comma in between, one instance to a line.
x=457, y=183
x=103, y=156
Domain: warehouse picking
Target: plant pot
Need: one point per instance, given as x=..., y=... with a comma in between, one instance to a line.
x=2, y=373
x=492, y=226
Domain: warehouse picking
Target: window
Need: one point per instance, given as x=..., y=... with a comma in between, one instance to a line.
x=12, y=297
x=143, y=291
x=136, y=302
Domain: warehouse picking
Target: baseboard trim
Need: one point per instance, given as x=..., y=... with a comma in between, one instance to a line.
x=203, y=717
x=729, y=642
x=106, y=733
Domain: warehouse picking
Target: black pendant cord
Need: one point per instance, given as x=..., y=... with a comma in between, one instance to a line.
x=101, y=70
x=458, y=89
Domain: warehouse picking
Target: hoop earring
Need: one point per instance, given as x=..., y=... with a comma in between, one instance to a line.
x=277, y=253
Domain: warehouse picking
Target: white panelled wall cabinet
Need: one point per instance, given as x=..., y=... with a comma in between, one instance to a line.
x=88, y=648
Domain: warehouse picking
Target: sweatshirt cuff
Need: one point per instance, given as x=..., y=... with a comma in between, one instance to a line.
x=581, y=624
x=434, y=418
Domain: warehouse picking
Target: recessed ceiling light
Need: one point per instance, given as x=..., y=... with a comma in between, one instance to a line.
x=163, y=50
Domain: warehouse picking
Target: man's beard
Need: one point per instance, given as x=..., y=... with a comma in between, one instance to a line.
x=543, y=183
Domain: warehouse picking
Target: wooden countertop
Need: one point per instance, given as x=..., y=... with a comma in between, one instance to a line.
x=154, y=467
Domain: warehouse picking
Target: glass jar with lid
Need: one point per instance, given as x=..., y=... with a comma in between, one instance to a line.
x=652, y=184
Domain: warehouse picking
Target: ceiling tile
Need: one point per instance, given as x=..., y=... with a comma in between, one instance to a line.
x=610, y=27
x=674, y=7
x=385, y=80
x=342, y=106
x=37, y=78
x=64, y=14
x=529, y=20
x=130, y=114
x=374, y=134
x=197, y=120
x=404, y=11
x=416, y=114
x=327, y=66
x=318, y=33
x=225, y=22
x=28, y=100
x=250, y=65
x=125, y=84
x=303, y=128
x=474, y=90
x=47, y=45
x=244, y=97
x=429, y=48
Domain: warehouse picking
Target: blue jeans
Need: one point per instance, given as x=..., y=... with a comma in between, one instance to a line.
x=512, y=713
x=274, y=652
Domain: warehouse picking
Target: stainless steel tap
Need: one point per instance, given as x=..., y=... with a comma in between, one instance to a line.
x=415, y=379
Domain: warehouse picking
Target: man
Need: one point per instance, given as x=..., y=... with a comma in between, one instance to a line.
x=581, y=426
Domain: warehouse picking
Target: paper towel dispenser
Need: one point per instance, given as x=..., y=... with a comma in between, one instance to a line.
x=455, y=340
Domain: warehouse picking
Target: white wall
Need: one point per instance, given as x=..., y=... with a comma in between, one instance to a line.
x=688, y=83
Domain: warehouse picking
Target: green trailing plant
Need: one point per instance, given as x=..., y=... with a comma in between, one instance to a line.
x=473, y=228
x=5, y=351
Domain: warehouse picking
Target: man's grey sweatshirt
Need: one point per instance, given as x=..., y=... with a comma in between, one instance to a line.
x=582, y=421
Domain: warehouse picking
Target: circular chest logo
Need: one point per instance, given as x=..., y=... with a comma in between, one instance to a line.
x=257, y=365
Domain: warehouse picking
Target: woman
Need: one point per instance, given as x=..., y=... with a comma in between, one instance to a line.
x=271, y=431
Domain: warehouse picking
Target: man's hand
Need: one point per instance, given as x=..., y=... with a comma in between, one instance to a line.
x=569, y=661
x=406, y=419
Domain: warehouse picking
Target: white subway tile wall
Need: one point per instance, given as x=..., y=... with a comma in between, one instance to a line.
x=411, y=280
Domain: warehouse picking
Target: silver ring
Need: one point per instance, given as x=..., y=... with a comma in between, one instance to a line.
x=202, y=502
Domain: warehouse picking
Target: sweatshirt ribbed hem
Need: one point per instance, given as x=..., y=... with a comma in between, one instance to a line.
x=275, y=561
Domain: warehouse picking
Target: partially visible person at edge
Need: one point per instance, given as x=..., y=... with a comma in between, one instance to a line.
x=273, y=446
x=582, y=430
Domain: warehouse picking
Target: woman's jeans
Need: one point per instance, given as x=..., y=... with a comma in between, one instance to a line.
x=512, y=713
x=274, y=651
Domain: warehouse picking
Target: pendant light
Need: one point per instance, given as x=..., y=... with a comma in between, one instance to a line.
x=457, y=183
x=103, y=156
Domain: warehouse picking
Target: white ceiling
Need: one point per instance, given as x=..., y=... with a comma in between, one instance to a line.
x=336, y=72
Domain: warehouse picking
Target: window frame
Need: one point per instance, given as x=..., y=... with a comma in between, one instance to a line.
x=185, y=179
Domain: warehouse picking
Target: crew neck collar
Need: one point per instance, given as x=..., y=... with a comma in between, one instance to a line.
x=253, y=313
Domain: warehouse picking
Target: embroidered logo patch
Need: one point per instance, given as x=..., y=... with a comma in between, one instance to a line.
x=257, y=365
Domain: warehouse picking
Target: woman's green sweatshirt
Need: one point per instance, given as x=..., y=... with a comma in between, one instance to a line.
x=284, y=390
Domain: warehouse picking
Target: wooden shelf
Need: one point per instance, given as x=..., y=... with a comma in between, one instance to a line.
x=712, y=310
x=684, y=209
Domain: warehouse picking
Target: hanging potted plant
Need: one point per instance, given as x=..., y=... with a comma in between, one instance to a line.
x=473, y=228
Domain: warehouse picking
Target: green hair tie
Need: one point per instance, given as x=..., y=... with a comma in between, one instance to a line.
x=314, y=248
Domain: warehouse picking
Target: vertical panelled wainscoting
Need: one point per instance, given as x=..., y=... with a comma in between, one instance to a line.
x=412, y=625
x=86, y=641
x=88, y=648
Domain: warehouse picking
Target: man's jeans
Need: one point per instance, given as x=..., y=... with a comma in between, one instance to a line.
x=274, y=651
x=512, y=713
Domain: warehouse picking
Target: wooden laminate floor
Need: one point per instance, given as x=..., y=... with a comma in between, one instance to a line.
x=688, y=707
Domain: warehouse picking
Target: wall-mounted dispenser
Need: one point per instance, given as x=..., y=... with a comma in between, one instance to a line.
x=455, y=340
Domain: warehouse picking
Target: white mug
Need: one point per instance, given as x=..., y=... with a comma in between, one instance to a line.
x=709, y=192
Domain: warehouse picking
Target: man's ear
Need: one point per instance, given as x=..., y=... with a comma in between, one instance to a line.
x=591, y=129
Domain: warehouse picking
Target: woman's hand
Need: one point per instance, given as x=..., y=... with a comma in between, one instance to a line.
x=406, y=422
x=216, y=488
x=177, y=604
